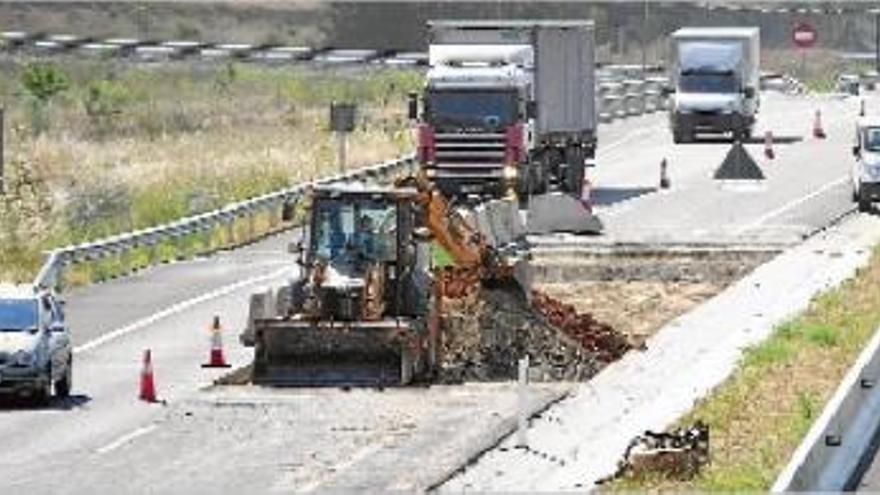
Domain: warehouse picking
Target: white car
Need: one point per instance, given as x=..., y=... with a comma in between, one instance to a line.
x=865, y=173
x=36, y=357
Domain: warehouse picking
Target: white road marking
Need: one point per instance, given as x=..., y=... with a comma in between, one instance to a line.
x=791, y=204
x=119, y=442
x=603, y=149
x=176, y=308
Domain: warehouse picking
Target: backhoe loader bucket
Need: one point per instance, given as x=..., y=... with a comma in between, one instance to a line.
x=560, y=212
x=302, y=353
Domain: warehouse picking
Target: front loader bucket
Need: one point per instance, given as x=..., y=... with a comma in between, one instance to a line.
x=301, y=353
x=560, y=212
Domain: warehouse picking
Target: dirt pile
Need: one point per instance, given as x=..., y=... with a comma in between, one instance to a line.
x=487, y=333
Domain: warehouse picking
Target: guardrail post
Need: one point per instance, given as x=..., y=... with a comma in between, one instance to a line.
x=179, y=247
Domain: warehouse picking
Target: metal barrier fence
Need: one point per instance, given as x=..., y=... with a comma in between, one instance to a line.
x=273, y=203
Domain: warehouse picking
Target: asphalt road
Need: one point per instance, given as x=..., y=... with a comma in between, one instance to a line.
x=104, y=438
x=806, y=185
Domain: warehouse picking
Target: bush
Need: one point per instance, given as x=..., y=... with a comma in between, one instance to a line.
x=42, y=82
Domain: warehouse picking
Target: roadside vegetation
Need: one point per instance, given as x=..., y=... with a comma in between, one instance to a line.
x=758, y=417
x=95, y=148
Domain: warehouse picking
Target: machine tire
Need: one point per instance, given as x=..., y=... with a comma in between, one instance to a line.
x=64, y=384
x=407, y=365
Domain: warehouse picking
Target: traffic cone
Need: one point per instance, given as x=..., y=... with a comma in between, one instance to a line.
x=216, y=359
x=587, y=194
x=768, y=145
x=818, y=132
x=664, y=176
x=148, y=386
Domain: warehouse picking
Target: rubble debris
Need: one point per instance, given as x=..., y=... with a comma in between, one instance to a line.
x=608, y=344
x=676, y=455
x=486, y=334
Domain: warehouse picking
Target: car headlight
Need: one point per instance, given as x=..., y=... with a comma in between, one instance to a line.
x=24, y=358
x=509, y=173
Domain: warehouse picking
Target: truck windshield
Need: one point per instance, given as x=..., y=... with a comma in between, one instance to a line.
x=872, y=139
x=17, y=315
x=479, y=109
x=350, y=231
x=707, y=83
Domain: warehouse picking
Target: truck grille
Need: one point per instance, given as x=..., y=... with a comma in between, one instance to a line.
x=469, y=156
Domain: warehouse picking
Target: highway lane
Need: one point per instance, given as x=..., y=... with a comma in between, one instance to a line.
x=104, y=420
x=805, y=186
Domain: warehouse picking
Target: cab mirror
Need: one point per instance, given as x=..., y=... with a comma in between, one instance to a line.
x=413, y=106
x=856, y=151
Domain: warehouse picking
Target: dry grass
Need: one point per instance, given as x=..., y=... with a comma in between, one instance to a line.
x=760, y=414
x=133, y=146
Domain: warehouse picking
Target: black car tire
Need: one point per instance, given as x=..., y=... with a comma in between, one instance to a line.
x=63, y=385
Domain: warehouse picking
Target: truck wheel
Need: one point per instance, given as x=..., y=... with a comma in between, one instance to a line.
x=864, y=202
x=573, y=180
x=62, y=386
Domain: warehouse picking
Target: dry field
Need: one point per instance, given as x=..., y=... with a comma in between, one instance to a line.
x=128, y=146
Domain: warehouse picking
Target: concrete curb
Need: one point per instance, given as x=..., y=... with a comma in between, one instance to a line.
x=834, y=453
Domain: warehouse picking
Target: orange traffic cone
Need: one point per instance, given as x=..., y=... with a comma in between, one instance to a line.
x=216, y=358
x=148, y=387
x=768, y=145
x=587, y=195
x=818, y=132
x=664, y=176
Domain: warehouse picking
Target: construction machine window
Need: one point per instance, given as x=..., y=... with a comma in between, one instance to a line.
x=707, y=83
x=492, y=110
x=872, y=139
x=352, y=231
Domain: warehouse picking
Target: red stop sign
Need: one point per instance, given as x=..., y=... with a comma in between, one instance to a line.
x=803, y=35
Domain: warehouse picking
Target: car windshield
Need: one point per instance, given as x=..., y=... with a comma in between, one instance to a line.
x=17, y=315
x=481, y=109
x=872, y=139
x=359, y=230
x=707, y=83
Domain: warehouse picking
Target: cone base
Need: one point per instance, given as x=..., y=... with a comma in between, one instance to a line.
x=211, y=365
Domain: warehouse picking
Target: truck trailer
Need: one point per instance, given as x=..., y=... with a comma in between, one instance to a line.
x=715, y=73
x=508, y=108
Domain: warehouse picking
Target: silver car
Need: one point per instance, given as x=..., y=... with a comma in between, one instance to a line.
x=36, y=357
x=865, y=173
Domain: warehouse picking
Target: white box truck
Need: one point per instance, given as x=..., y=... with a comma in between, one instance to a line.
x=715, y=76
x=508, y=106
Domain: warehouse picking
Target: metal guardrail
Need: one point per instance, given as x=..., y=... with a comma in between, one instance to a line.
x=833, y=455
x=148, y=50
x=57, y=260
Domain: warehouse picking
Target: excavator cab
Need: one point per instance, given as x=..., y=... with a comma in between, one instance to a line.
x=361, y=313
